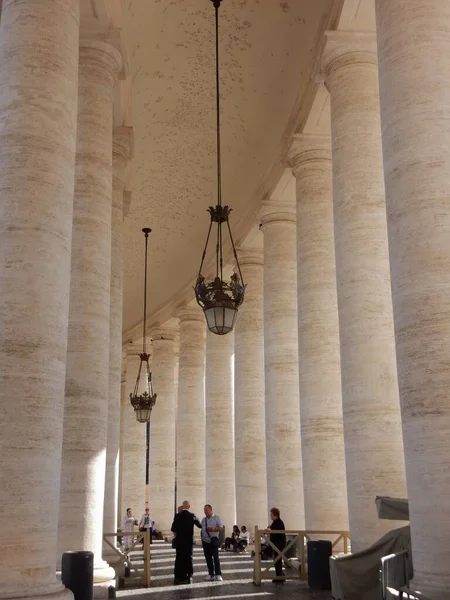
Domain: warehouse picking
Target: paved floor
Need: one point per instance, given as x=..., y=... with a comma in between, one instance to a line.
x=237, y=581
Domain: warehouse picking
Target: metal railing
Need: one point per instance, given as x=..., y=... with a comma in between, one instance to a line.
x=297, y=570
x=124, y=560
x=394, y=574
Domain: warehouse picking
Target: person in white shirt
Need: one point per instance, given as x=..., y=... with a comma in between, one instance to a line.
x=128, y=525
x=243, y=539
x=146, y=523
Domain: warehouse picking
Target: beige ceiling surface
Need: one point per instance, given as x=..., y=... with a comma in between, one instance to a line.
x=267, y=53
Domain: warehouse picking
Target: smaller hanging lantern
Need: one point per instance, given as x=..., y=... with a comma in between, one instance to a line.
x=143, y=398
x=219, y=299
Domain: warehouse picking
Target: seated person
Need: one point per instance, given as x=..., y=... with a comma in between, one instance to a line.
x=233, y=540
x=243, y=539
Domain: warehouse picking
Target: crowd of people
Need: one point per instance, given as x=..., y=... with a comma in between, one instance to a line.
x=211, y=527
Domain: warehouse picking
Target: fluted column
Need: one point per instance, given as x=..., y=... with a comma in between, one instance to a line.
x=133, y=460
x=372, y=424
x=87, y=374
x=219, y=399
x=249, y=414
x=38, y=112
x=413, y=47
x=162, y=431
x=283, y=440
x=191, y=409
x=122, y=143
x=324, y=475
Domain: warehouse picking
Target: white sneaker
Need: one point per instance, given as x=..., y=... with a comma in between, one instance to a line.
x=209, y=578
x=218, y=578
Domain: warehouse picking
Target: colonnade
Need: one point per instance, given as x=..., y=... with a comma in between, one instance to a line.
x=338, y=381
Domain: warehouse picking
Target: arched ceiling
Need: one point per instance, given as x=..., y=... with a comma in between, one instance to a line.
x=268, y=49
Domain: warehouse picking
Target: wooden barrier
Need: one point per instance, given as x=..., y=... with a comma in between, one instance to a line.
x=140, y=537
x=297, y=570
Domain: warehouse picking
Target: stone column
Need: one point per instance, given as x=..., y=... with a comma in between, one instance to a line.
x=249, y=412
x=283, y=440
x=219, y=400
x=38, y=112
x=191, y=410
x=122, y=141
x=413, y=47
x=372, y=424
x=162, y=430
x=324, y=475
x=87, y=374
x=133, y=461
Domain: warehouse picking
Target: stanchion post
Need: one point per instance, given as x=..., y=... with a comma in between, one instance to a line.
x=147, y=558
x=257, y=562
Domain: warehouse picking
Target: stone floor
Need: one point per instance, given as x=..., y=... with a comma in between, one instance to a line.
x=237, y=581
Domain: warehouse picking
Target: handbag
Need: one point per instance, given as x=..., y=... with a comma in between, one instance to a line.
x=215, y=542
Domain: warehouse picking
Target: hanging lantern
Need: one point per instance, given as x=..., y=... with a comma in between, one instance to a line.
x=143, y=398
x=218, y=298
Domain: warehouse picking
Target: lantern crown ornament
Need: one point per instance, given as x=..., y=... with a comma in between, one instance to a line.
x=143, y=398
x=218, y=298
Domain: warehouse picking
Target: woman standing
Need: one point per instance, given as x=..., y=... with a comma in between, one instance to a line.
x=127, y=526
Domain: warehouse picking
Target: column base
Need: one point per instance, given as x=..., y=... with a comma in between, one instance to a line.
x=103, y=573
x=56, y=592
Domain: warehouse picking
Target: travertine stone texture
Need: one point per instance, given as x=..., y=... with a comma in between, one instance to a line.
x=324, y=475
x=219, y=401
x=372, y=424
x=162, y=431
x=133, y=438
x=282, y=406
x=191, y=409
x=122, y=143
x=38, y=113
x=414, y=46
x=87, y=374
x=249, y=412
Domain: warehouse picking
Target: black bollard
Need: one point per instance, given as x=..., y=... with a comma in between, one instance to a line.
x=77, y=574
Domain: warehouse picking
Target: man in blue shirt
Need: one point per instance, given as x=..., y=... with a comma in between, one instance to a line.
x=211, y=527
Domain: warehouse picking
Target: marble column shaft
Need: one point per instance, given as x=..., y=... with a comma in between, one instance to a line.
x=249, y=412
x=87, y=375
x=413, y=47
x=134, y=438
x=282, y=404
x=38, y=114
x=122, y=142
x=324, y=475
x=191, y=410
x=219, y=400
x=162, y=431
x=372, y=424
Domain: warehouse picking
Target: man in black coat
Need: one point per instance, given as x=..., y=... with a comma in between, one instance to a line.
x=278, y=540
x=183, y=528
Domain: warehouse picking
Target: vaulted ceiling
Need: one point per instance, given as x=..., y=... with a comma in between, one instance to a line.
x=268, y=53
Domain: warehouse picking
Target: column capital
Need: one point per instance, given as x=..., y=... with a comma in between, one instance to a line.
x=307, y=148
x=348, y=48
x=190, y=313
x=250, y=257
x=103, y=55
x=123, y=142
x=268, y=218
x=163, y=334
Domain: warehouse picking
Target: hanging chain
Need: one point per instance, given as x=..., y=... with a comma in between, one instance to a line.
x=146, y=231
